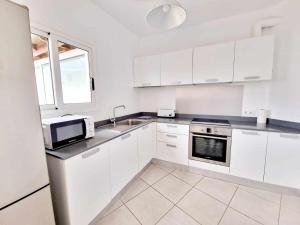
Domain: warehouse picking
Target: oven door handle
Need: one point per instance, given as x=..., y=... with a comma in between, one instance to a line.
x=211, y=137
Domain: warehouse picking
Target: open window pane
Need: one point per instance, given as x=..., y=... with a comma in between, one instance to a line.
x=42, y=66
x=75, y=75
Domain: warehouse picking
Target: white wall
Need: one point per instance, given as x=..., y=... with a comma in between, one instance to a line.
x=267, y=95
x=113, y=48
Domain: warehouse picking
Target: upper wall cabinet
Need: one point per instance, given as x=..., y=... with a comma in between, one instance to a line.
x=147, y=71
x=213, y=64
x=177, y=68
x=254, y=59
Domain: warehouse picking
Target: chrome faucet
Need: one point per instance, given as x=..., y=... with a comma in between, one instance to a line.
x=113, y=120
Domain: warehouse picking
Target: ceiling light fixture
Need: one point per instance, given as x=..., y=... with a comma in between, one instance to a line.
x=167, y=16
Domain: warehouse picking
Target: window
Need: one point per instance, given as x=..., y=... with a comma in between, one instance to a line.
x=74, y=71
x=43, y=74
x=62, y=71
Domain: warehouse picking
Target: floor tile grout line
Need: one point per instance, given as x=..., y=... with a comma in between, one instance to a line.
x=211, y=196
x=165, y=214
x=242, y=212
x=124, y=202
x=246, y=215
x=133, y=214
x=227, y=206
x=187, y=182
x=258, y=196
x=101, y=218
x=183, y=209
x=281, y=196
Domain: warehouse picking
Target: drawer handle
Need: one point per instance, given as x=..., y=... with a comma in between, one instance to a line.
x=90, y=153
x=171, y=136
x=171, y=146
x=212, y=80
x=126, y=136
x=250, y=133
x=289, y=136
x=171, y=126
x=145, y=127
x=146, y=84
x=251, y=77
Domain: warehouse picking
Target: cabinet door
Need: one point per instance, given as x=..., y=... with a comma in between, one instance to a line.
x=123, y=161
x=283, y=160
x=248, y=153
x=88, y=184
x=176, y=153
x=177, y=68
x=147, y=71
x=254, y=59
x=146, y=144
x=213, y=64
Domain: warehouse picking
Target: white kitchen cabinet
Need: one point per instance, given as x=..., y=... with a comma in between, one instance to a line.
x=248, y=153
x=214, y=63
x=177, y=68
x=80, y=185
x=172, y=143
x=147, y=71
x=146, y=144
x=175, y=153
x=283, y=160
x=254, y=59
x=173, y=128
x=124, y=162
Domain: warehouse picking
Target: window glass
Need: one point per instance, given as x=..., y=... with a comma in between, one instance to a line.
x=75, y=74
x=43, y=71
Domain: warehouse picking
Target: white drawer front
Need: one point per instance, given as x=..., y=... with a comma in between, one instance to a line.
x=172, y=152
x=173, y=128
x=178, y=139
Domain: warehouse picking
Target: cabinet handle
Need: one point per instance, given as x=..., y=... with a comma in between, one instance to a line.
x=145, y=127
x=250, y=133
x=126, y=136
x=171, y=136
x=212, y=80
x=289, y=136
x=171, y=126
x=90, y=153
x=146, y=84
x=251, y=77
x=171, y=146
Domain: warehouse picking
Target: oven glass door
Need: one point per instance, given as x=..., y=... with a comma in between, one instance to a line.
x=65, y=133
x=207, y=147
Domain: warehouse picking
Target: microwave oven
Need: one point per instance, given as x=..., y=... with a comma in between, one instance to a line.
x=65, y=130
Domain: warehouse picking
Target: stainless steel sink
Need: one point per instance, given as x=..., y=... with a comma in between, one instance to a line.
x=130, y=122
x=121, y=126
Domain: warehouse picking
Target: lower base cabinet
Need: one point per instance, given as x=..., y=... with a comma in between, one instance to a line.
x=146, y=144
x=248, y=154
x=124, y=162
x=283, y=160
x=80, y=186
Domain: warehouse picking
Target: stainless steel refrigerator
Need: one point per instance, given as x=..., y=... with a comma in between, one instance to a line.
x=24, y=184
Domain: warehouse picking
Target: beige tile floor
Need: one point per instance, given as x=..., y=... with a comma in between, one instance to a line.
x=166, y=196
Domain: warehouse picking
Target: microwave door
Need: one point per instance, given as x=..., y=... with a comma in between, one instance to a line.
x=67, y=132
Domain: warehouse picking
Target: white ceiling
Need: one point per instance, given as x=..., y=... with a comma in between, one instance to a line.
x=132, y=13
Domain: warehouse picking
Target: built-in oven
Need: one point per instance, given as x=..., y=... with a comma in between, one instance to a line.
x=210, y=143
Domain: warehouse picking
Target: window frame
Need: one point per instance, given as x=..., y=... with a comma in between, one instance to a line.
x=59, y=106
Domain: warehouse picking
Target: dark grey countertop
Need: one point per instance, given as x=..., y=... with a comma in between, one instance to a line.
x=101, y=136
x=267, y=128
